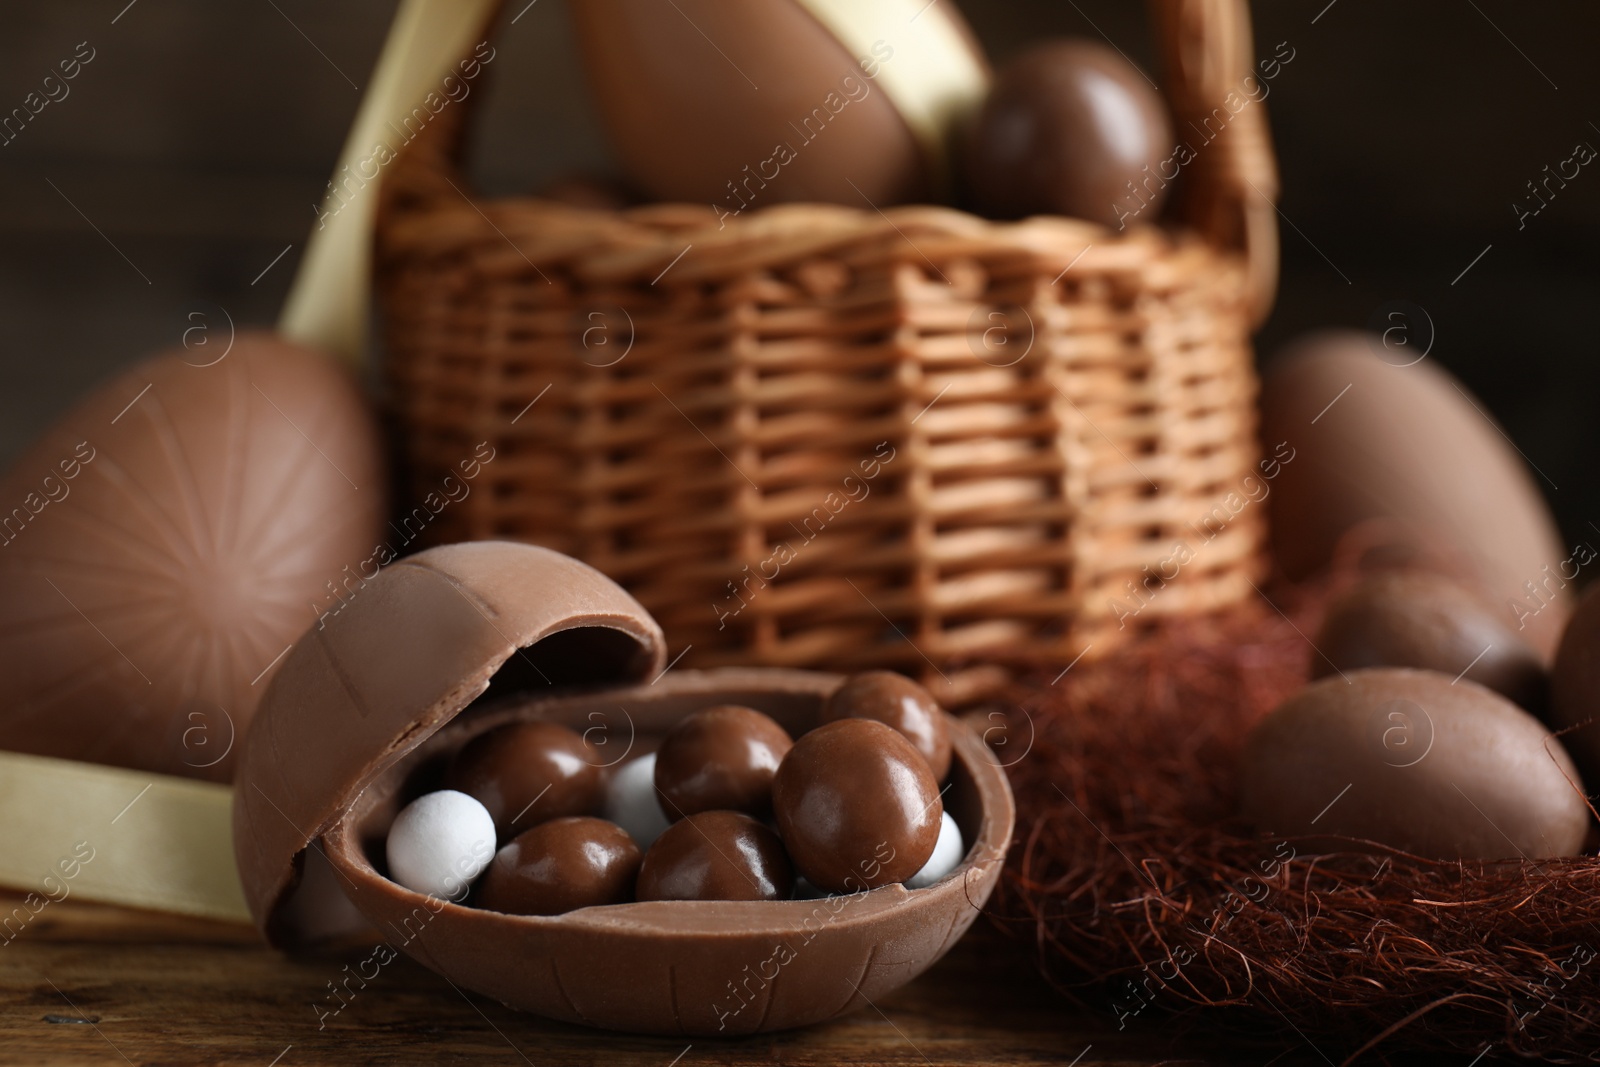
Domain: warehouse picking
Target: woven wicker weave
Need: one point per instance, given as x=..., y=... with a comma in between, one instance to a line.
x=819, y=436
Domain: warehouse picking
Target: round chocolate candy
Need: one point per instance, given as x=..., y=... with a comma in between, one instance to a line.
x=721, y=758
x=1419, y=619
x=528, y=772
x=439, y=843
x=897, y=701
x=857, y=806
x=716, y=855
x=1071, y=128
x=559, y=865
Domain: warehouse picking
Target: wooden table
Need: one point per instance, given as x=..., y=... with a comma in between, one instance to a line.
x=85, y=983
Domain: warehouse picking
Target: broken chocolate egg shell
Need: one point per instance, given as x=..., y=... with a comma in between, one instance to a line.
x=659, y=967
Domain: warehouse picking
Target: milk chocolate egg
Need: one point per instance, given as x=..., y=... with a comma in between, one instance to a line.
x=169, y=538
x=1352, y=438
x=1420, y=619
x=742, y=105
x=716, y=855
x=561, y=865
x=722, y=757
x=1071, y=128
x=1407, y=759
x=528, y=772
x=896, y=701
x=1575, y=685
x=857, y=806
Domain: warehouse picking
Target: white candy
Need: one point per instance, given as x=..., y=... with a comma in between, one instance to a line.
x=631, y=801
x=439, y=843
x=947, y=854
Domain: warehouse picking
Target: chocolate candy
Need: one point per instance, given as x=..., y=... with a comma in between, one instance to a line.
x=439, y=843
x=722, y=758
x=947, y=854
x=857, y=806
x=1408, y=760
x=631, y=800
x=896, y=701
x=560, y=865
x=1419, y=619
x=527, y=772
x=716, y=855
x=1073, y=129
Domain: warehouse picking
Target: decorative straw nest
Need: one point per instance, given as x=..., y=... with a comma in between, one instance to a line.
x=1148, y=899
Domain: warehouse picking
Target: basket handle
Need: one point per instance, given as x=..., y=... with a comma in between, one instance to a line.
x=327, y=305
x=1230, y=194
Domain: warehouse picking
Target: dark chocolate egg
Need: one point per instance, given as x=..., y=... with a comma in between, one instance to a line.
x=561, y=865
x=716, y=855
x=1410, y=760
x=528, y=772
x=1071, y=128
x=167, y=540
x=857, y=806
x=721, y=758
x=1398, y=446
x=896, y=701
x=1420, y=619
x=1575, y=685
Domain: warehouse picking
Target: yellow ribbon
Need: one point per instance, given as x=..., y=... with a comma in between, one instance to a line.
x=70, y=829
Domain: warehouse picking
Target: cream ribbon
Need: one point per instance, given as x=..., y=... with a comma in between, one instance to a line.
x=83, y=831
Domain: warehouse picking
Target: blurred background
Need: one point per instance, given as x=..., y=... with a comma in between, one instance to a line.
x=180, y=173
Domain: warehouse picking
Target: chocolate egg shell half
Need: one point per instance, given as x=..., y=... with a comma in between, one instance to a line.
x=1409, y=760
x=169, y=538
x=1418, y=619
x=716, y=855
x=664, y=966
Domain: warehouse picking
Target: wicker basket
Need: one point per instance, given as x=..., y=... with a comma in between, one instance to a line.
x=819, y=436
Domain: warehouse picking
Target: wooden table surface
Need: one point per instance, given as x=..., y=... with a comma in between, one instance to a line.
x=85, y=983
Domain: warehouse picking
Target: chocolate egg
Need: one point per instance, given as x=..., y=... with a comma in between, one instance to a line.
x=898, y=702
x=528, y=772
x=857, y=806
x=1575, y=685
x=716, y=855
x=1409, y=760
x=721, y=758
x=1358, y=439
x=1071, y=128
x=741, y=105
x=166, y=541
x=561, y=865
x=1419, y=619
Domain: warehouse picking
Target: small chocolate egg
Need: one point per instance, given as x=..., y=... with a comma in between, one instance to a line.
x=1071, y=128
x=716, y=855
x=1355, y=439
x=1575, y=685
x=857, y=806
x=439, y=843
x=721, y=758
x=1420, y=619
x=631, y=800
x=1411, y=760
x=527, y=772
x=566, y=863
x=947, y=855
x=898, y=702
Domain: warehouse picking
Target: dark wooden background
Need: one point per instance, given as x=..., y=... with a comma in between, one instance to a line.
x=191, y=150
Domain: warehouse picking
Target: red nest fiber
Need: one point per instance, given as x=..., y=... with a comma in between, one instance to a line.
x=1147, y=898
